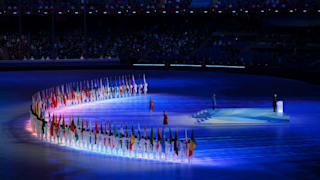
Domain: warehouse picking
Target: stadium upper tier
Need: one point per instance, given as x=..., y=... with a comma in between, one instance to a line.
x=177, y=44
x=153, y=4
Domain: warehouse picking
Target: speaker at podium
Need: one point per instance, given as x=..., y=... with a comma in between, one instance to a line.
x=280, y=108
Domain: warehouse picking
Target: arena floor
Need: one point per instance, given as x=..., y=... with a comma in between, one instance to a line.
x=224, y=151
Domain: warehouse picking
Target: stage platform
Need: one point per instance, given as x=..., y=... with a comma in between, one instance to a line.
x=240, y=116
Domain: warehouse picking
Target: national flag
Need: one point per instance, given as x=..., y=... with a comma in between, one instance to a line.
x=158, y=138
x=82, y=128
x=162, y=141
x=192, y=144
x=57, y=126
x=139, y=135
x=158, y=135
x=131, y=141
x=106, y=127
x=132, y=130
x=145, y=132
x=186, y=135
x=126, y=131
x=101, y=129
x=76, y=134
x=110, y=129
x=151, y=137
x=63, y=126
x=115, y=132
x=78, y=123
x=73, y=125
x=176, y=142
x=121, y=131
x=95, y=132
x=87, y=125
x=51, y=127
x=170, y=135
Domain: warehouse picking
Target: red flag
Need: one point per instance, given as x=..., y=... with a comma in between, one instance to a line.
x=165, y=118
x=72, y=128
x=95, y=133
x=51, y=126
x=170, y=135
x=82, y=128
x=159, y=136
x=176, y=143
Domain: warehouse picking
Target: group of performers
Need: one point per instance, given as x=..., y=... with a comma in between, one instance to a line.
x=110, y=141
x=50, y=129
x=87, y=91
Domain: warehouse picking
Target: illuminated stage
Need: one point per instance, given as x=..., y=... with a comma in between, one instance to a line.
x=240, y=116
x=223, y=151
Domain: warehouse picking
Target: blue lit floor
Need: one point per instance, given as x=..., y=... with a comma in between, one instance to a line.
x=224, y=151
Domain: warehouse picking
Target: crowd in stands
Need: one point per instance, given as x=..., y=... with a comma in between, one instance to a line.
x=174, y=43
x=132, y=4
x=265, y=4
x=92, y=4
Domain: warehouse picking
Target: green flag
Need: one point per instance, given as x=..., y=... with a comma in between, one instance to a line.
x=115, y=132
x=76, y=135
x=78, y=124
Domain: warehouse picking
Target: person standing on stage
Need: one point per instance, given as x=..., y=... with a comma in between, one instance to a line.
x=151, y=105
x=165, y=118
x=274, y=102
x=214, y=103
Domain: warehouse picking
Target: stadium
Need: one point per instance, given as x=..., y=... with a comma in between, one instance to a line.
x=174, y=89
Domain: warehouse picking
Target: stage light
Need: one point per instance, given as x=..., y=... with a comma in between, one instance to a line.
x=304, y=10
x=133, y=12
x=276, y=11
x=59, y=12
x=185, y=65
x=164, y=12
x=147, y=12
x=105, y=12
x=177, y=12
x=119, y=12
x=262, y=11
x=90, y=12
x=219, y=11
x=45, y=12
x=14, y=12
x=233, y=11
x=0, y=12
x=291, y=11
x=149, y=65
x=205, y=12
x=225, y=66
x=319, y=11
x=246, y=11
x=76, y=12
x=191, y=12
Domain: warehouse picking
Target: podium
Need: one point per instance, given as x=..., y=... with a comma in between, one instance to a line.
x=280, y=108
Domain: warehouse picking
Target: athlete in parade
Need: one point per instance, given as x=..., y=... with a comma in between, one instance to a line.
x=54, y=128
